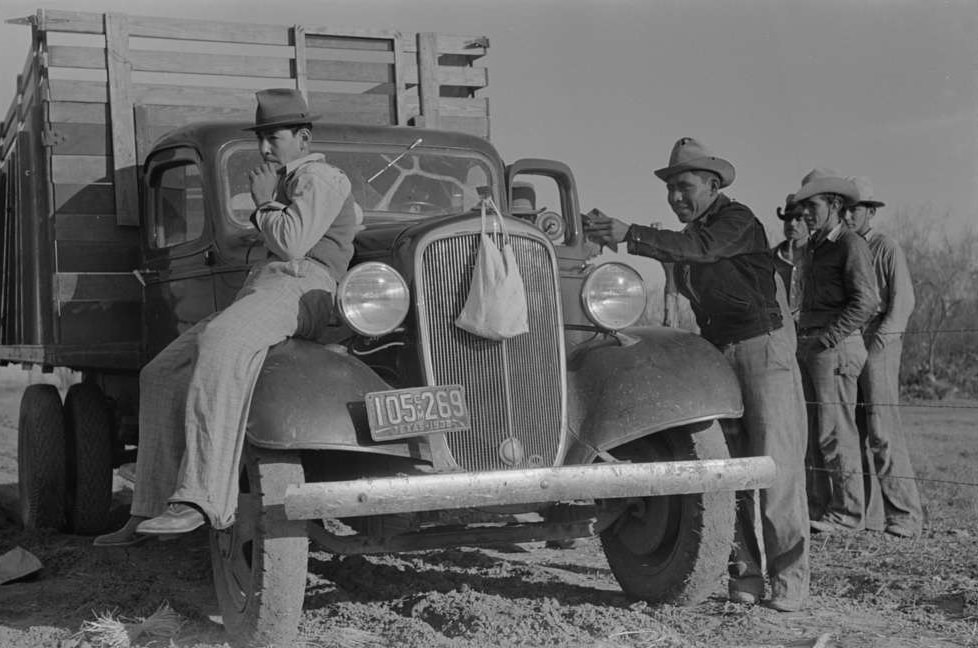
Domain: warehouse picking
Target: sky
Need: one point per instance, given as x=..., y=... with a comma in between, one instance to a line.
x=882, y=88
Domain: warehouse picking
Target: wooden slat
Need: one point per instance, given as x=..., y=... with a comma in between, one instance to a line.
x=477, y=107
x=74, y=112
x=81, y=169
x=151, y=27
x=354, y=109
x=400, y=85
x=97, y=256
x=475, y=77
x=171, y=116
x=84, y=199
x=301, y=69
x=350, y=71
x=102, y=287
x=474, y=46
x=123, y=125
x=176, y=62
x=98, y=322
x=427, y=78
x=79, y=139
x=145, y=26
x=93, y=228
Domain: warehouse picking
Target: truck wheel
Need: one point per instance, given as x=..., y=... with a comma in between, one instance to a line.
x=88, y=429
x=41, y=458
x=260, y=562
x=673, y=549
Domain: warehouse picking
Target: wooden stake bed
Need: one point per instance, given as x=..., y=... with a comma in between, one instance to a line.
x=98, y=89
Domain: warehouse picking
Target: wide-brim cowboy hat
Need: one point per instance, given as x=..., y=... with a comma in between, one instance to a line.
x=690, y=155
x=865, y=189
x=826, y=181
x=280, y=107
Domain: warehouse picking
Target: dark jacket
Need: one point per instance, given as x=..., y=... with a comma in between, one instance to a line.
x=724, y=267
x=840, y=286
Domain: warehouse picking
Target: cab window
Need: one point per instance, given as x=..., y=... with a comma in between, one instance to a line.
x=176, y=204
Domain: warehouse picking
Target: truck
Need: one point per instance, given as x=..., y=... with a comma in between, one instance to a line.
x=126, y=220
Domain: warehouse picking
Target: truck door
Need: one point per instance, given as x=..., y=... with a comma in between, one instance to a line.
x=178, y=247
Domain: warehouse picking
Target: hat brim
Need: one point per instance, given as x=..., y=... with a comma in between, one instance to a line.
x=282, y=123
x=871, y=203
x=840, y=186
x=713, y=164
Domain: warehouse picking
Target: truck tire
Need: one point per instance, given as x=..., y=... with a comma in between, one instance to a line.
x=41, y=458
x=673, y=549
x=260, y=562
x=88, y=432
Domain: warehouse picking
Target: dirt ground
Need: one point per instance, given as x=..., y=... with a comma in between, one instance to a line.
x=869, y=590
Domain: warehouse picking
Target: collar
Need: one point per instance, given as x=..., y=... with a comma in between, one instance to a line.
x=785, y=246
x=715, y=207
x=295, y=164
x=835, y=232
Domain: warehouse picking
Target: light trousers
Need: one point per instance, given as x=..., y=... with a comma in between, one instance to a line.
x=773, y=424
x=195, y=395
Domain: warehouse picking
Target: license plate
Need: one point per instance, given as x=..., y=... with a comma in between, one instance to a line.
x=415, y=411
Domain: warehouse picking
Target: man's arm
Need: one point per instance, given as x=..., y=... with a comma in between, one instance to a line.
x=860, y=286
x=316, y=198
x=899, y=290
x=727, y=235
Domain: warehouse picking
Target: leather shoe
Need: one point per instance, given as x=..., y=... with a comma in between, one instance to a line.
x=900, y=531
x=177, y=518
x=747, y=598
x=830, y=526
x=783, y=604
x=124, y=537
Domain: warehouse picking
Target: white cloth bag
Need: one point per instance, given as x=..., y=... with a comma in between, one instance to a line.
x=496, y=305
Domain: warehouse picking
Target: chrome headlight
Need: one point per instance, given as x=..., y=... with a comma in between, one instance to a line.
x=613, y=296
x=373, y=298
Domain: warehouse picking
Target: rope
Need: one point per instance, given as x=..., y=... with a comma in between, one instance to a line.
x=915, y=479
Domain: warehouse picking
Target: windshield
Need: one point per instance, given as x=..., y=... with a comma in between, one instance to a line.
x=419, y=184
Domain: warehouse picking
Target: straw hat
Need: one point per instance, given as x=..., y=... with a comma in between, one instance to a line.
x=820, y=181
x=280, y=107
x=690, y=155
x=865, y=190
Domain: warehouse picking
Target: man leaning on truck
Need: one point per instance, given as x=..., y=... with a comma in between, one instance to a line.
x=725, y=268
x=194, y=394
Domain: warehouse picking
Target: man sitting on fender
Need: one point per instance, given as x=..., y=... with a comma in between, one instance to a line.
x=194, y=395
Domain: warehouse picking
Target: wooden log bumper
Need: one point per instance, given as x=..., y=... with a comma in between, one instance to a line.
x=462, y=490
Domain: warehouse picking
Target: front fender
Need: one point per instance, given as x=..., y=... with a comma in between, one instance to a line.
x=309, y=396
x=656, y=378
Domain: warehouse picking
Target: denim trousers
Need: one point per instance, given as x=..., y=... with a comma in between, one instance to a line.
x=830, y=377
x=194, y=395
x=773, y=424
x=879, y=389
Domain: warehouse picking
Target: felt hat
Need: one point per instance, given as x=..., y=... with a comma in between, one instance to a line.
x=280, y=107
x=690, y=155
x=524, y=199
x=865, y=190
x=820, y=181
x=790, y=207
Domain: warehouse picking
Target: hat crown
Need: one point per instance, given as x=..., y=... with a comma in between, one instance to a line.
x=687, y=149
x=819, y=174
x=864, y=188
x=688, y=154
x=524, y=197
x=280, y=107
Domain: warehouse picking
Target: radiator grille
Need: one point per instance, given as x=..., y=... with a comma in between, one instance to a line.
x=514, y=388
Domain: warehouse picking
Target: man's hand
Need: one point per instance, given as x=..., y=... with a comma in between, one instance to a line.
x=603, y=229
x=264, y=179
